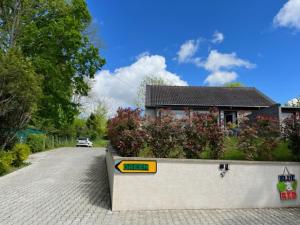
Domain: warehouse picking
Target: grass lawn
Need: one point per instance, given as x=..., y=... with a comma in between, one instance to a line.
x=100, y=143
x=232, y=152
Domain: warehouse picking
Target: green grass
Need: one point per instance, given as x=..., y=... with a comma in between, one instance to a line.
x=100, y=143
x=231, y=151
x=283, y=153
x=14, y=168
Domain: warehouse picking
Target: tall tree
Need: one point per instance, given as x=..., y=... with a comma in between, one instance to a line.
x=96, y=123
x=141, y=92
x=51, y=34
x=19, y=92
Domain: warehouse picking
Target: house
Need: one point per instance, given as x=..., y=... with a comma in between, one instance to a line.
x=233, y=103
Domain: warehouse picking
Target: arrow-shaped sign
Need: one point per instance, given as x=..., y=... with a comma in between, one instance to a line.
x=136, y=166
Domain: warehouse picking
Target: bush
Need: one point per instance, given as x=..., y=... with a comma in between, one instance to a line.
x=215, y=134
x=269, y=132
x=21, y=152
x=257, y=140
x=202, y=130
x=131, y=142
x=36, y=142
x=291, y=131
x=233, y=154
x=196, y=138
x=6, y=160
x=49, y=142
x=125, y=133
x=164, y=134
x=283, y=153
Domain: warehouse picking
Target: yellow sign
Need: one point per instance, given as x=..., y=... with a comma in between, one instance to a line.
x=136, y=166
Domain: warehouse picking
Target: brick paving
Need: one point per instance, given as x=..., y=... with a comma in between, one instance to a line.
x=69, y=186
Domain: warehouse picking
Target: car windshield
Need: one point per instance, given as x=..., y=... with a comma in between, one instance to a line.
x=82, y=139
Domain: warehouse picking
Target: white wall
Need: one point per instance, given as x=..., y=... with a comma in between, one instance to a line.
x=197, y=184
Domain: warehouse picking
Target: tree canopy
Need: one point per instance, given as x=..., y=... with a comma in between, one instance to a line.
x=50, y=38
x=234, y=84
x=19, y=93
x=141, y=92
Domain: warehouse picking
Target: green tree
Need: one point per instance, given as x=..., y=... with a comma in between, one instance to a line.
x=141, y=92
x=52, y=35
x=80, y=128
x=234, y=84
x=19, y=93
x=96, y=123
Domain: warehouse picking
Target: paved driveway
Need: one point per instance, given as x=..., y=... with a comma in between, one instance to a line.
x=69, y=186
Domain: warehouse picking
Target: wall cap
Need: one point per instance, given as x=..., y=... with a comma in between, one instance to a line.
x=115, y=156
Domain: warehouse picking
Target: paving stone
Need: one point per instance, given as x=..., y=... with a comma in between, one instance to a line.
x=69, y=186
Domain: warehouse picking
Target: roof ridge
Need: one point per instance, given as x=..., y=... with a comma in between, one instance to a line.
x=219, y=87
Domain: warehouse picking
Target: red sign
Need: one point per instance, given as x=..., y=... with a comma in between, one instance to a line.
x=288, y=195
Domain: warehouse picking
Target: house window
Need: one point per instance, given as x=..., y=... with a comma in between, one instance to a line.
x=230, y=117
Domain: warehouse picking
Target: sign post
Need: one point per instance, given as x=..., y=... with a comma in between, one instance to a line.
x=136, y=166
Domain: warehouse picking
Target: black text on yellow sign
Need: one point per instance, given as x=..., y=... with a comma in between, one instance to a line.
x=136, y=166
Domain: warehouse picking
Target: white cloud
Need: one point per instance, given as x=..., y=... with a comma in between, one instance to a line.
x=219, y=66
x=187, y=51
x=289, y=15
x=217, y=38
x=119, y=88
x=294, y=102
x=141, y=55
x=217, y=78
x=217, y=60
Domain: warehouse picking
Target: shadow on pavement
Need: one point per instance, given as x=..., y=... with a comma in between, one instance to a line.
x=95, y=183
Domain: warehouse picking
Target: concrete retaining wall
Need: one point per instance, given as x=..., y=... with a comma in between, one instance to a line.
x=197, y=184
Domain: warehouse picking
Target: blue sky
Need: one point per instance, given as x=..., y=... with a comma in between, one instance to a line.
x=199, y=43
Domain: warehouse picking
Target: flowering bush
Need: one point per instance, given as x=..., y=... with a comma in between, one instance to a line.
x=268, y=130
x=291, y=131
x=164, y=134
x=215, y=134
x=247, y=140
x=195, y=140
x=202, y=131
x=258, y=139
x=124, y=132
x=131, y=142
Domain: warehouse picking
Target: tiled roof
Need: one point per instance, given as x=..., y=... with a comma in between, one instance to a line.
x=205, y=96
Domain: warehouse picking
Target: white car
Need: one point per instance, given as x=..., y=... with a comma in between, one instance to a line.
x=84, y=142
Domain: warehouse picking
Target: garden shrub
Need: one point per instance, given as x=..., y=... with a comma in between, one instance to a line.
x=291, y=131
x=177, y=153
x=36, y=142
x=202, y=130
x=164, y=134
x=195, y=135
x=283, y=153
x=233, y=154
x=6, y=160
x=258, y=139
x=269, y=133
x=125, y=133
x=146, y=152
x=49, y=142
x=215, y=134
x=231, y=150
x=21, y=152
x=131, y=142
x=247, y=140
